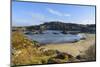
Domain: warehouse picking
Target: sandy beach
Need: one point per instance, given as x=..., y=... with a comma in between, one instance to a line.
x=74, y=49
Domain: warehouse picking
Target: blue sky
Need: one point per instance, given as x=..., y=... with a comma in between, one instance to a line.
x=28, y=13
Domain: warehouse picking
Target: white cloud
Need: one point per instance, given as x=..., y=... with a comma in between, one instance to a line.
x=88, y=21
x=58, y=13
x=54, y=12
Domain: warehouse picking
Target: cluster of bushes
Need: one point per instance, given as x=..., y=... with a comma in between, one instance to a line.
x=88, y=55
x=91, y=53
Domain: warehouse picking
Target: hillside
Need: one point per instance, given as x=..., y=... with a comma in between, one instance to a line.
x=57, y=25
x=25, y=51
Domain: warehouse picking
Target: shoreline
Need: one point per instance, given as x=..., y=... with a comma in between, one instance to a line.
x=74, y=49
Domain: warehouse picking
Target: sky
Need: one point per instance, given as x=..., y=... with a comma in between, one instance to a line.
x=32, y=13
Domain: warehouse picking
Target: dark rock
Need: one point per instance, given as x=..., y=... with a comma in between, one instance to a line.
x=78, y=57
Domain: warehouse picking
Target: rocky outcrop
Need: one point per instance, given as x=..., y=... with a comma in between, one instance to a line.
x=25, y=51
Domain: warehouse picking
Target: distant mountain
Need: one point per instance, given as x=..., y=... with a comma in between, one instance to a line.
x=57, y=25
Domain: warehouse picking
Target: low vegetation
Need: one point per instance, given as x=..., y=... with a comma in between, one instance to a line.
x=25, y=51
x=89, y=54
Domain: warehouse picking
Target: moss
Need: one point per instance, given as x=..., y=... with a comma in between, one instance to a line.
x=50, y=52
